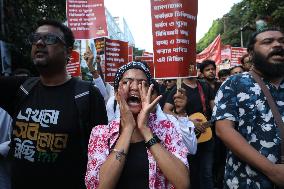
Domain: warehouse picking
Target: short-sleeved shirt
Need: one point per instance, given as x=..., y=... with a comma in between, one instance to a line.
x=241, y=100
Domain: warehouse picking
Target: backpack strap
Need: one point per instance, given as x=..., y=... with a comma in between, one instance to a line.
x=24, y=91
x=27, y=86
x=22, y=94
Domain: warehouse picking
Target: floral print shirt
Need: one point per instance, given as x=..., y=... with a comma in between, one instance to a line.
x=241, y=100
x=103, y=138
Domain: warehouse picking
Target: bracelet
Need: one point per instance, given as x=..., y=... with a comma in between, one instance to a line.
x=118, y=153
x=152, y=141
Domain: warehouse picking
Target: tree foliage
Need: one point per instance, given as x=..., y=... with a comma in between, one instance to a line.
x=21, y=16
x=20, y=19
x=216, y=27
x=243, y=15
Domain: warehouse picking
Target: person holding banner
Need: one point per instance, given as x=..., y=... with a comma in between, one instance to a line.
x=199, y=100
x=139, y=149
x=97, y=74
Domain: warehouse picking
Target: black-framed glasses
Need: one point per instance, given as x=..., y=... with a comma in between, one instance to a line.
x=48, y=38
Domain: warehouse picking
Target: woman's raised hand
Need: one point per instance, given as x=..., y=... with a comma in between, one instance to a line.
x=147, y=105
x=126, y=117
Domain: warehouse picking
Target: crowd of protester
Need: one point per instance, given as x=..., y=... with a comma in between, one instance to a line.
x=57, y=131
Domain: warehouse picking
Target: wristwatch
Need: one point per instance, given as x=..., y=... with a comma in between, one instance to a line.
x=152, y=141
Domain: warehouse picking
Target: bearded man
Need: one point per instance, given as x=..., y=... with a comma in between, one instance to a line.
x=244, y=120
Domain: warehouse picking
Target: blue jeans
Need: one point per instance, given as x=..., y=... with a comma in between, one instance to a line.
x=201, y=166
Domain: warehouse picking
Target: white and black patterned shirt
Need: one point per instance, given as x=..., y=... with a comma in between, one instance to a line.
x=241, y=100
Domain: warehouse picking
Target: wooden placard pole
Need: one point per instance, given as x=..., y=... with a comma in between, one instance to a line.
x=179, y=81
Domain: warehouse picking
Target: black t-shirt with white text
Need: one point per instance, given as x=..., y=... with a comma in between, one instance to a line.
x=46, y=138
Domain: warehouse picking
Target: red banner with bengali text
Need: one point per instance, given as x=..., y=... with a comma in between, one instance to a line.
x=116, y=55
x=174, y=37
x=74, y=67
x=87, y=18
x=212, y=52
x=237, y=54
x=100, y=45
x=148, y=60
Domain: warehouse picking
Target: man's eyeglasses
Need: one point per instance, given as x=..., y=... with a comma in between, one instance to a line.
x=48, y=39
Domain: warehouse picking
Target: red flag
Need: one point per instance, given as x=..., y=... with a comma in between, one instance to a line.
x=87, y=18
x=212, y=52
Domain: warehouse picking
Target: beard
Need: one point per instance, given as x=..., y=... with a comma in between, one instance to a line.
x=48, y=67
x=40, y=64
x=269, y=69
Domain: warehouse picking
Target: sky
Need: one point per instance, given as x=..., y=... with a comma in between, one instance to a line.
x=137, y=14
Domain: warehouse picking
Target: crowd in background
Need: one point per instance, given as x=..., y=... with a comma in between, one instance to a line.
x=211, y=132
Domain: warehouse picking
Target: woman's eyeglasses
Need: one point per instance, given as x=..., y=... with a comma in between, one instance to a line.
x=48, y=39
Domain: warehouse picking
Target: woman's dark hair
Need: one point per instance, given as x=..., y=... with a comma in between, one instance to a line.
x=68, y=34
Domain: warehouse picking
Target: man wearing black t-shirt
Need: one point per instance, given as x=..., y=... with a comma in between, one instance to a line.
x=200, y=99
x=208, y=69
x=48, y=144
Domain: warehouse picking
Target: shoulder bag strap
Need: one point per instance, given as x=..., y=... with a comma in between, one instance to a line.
x=202, y=97
x=274, y=109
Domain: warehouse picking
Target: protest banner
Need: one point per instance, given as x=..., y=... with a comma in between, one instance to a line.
x=174, y=37
x=100, y=45
x=73, y=66
x=116, y=55
x=237, y=53
x=148, y=59
x=86, y=19
x=226, y=53
x=212, y=52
